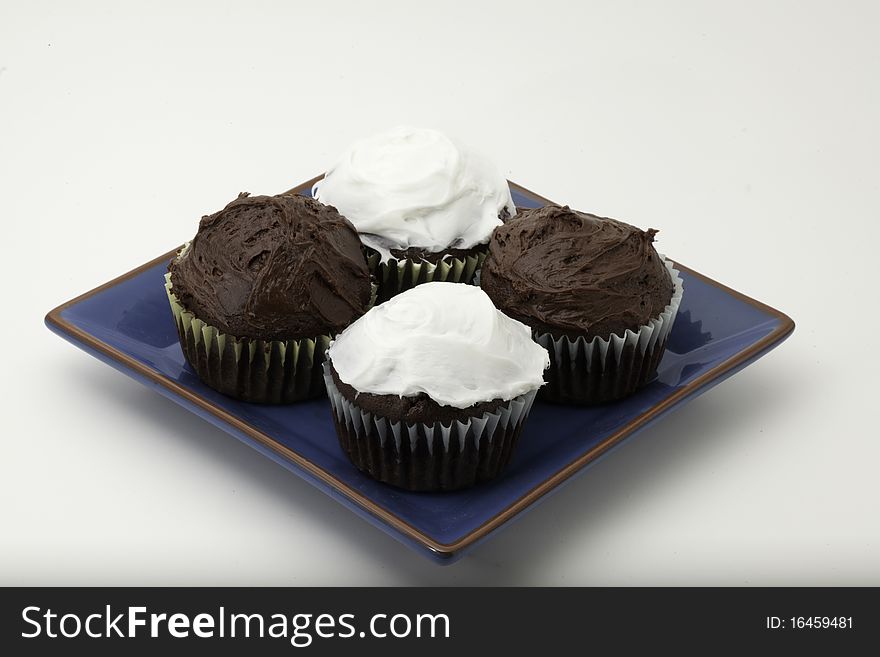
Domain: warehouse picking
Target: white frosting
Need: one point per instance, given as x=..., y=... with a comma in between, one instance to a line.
x=444, y=339
x=414, y=187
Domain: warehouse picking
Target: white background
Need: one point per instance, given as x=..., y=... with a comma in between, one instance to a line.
x=746, y=131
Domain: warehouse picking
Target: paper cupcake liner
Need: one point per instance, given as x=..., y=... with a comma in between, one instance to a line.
x=396, y=276
x=428, y=457
x=603, y=370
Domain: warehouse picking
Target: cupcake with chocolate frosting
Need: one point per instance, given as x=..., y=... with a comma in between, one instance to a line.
x=594, y=291
x=430, y=390
x=424, y=205
x=260, y=291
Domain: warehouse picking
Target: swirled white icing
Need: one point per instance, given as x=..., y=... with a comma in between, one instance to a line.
x=411, y=187
x=444, y=339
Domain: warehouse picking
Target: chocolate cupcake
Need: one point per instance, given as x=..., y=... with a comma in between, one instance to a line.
x=430, y=390
x=594, y=291
x=260, y=291
x=424, y=206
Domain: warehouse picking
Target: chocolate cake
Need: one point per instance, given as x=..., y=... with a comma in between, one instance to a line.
x=418, y=408
x=431, y=389
x=571, y=273
x=274, y=268
x=261, y=290
x=424, y=205
x=594, y=291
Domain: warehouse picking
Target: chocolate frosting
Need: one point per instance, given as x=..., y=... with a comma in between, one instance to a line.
x=274, y=268
x=571, y=273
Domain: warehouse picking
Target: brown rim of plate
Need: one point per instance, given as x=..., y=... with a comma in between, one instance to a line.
x=446, y=550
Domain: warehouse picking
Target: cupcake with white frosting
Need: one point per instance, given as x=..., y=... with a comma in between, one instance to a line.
x=431, y=389
x=423, y=204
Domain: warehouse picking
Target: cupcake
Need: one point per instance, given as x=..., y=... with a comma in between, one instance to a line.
x=595, y=293
x=260, y=291
x=423, y=204
x=431, y=389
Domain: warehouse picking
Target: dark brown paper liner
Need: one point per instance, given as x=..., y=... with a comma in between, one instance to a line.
x=396, y=276
x=604, y=370
x=428, y=457
x=573, y=380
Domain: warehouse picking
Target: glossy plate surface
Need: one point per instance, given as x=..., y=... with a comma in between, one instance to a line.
x=127, y=324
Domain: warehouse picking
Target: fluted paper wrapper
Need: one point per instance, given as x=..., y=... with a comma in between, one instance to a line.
x=428, y=457
x=603, y=370
x=396, y=276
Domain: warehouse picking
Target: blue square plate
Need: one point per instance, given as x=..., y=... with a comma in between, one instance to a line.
x=127, y=324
